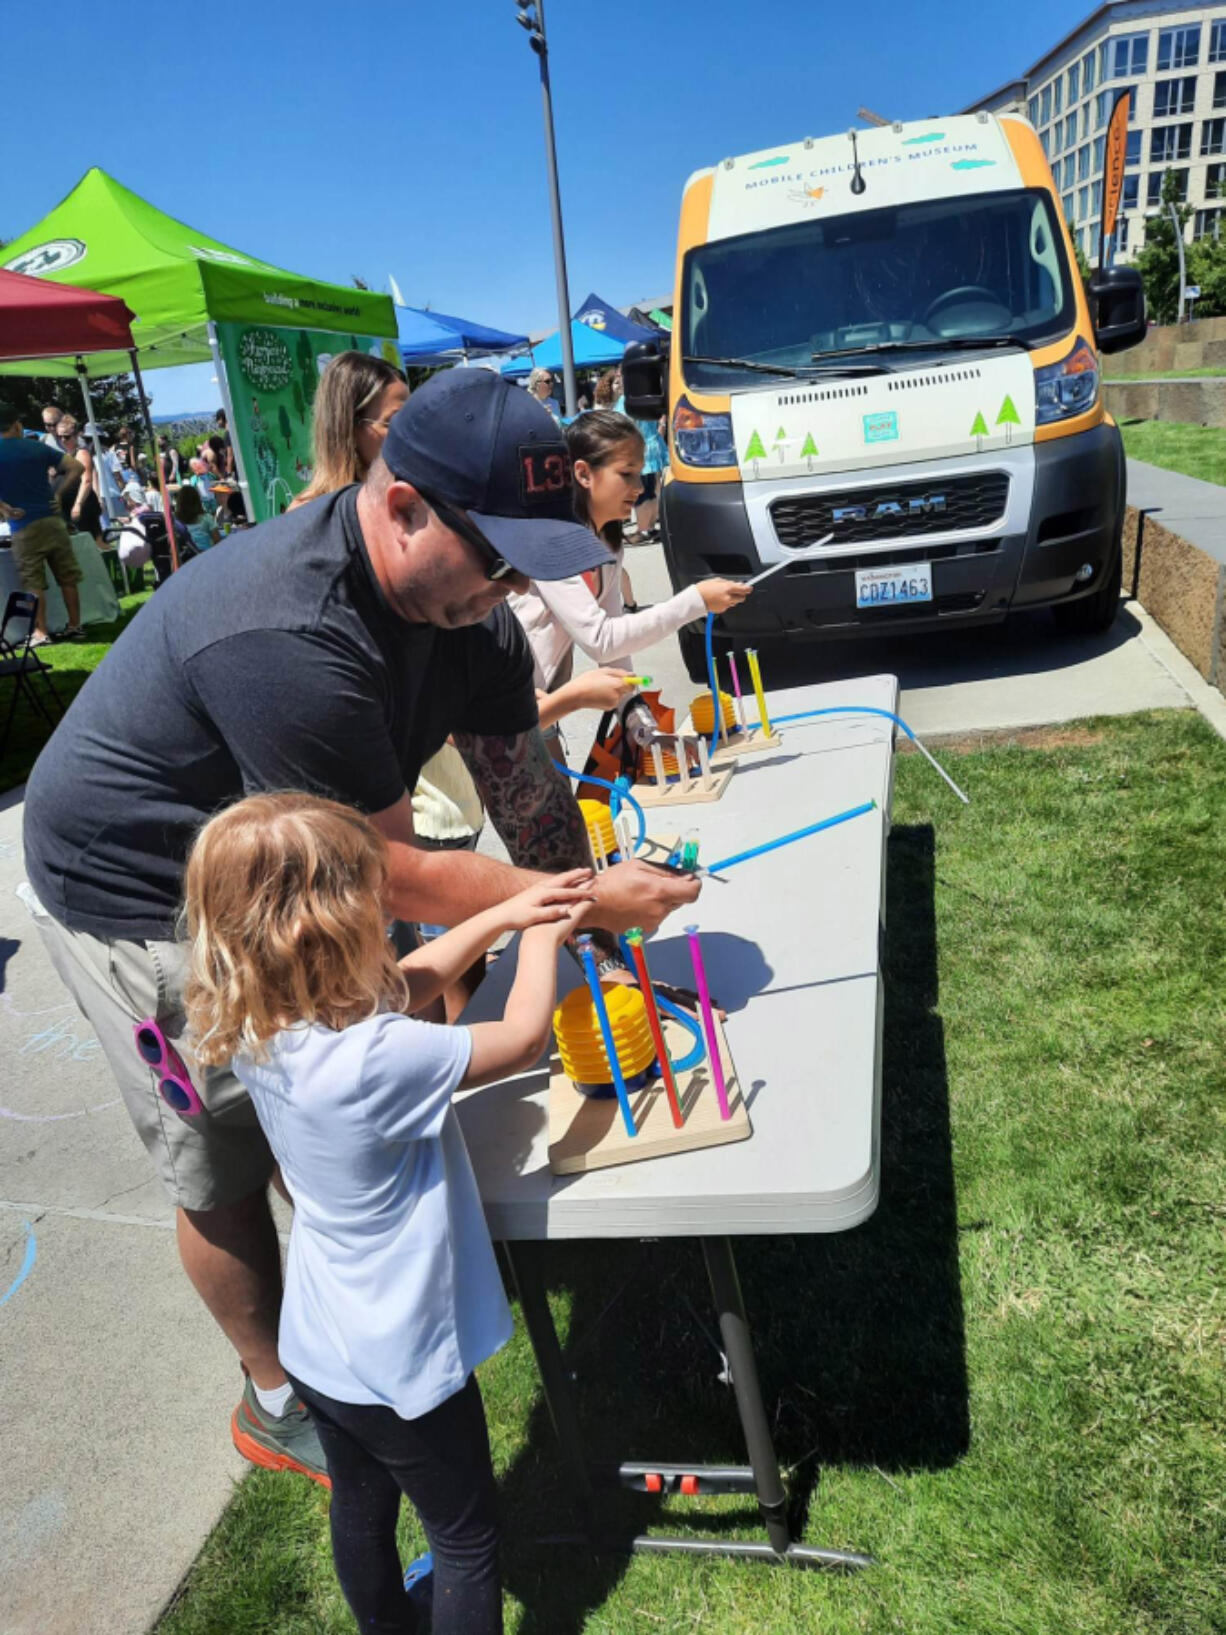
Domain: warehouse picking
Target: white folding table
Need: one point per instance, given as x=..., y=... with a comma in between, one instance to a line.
x=792, y=942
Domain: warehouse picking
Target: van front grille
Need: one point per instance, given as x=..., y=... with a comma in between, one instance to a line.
x=894, y=511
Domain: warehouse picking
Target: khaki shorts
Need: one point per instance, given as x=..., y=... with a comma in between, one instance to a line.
x=41, y=545
x=206, y=1162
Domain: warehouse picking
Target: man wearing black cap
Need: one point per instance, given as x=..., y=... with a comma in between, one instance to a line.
x=334, y=649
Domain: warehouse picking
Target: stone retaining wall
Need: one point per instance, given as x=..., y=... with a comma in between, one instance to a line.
x=1172, y=347
x=1184, y=590
x=1191, y=402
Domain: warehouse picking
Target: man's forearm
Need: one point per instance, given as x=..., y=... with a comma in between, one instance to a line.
x=528, y=800
x=445, y=887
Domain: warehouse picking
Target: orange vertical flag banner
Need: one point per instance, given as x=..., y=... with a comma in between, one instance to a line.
x=1113, y=170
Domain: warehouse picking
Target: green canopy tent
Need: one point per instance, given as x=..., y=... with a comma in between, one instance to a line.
x=196, y=300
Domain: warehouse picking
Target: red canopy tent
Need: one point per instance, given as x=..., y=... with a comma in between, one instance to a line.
x=44, y=320
x=40, y=320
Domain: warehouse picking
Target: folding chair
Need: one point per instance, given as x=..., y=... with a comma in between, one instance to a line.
x=19, y=660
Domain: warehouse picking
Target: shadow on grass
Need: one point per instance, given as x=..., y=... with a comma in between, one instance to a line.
x=859, y=1336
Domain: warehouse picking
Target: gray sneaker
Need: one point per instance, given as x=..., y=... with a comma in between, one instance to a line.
x=288, y=1443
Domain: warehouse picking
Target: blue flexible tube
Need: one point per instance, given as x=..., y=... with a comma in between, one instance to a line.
x=888, y=715
x=624, y=794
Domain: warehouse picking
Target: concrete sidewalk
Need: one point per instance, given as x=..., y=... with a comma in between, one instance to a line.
x=1193, y=509
x=116, y=1387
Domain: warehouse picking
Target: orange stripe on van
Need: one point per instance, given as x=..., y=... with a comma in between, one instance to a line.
x=695, y=221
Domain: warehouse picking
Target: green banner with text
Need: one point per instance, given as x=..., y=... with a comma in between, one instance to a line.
x=272, y=375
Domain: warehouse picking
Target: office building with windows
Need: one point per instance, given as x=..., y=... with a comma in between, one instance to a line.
x=1171, y=60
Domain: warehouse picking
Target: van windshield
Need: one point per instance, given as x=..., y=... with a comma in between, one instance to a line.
x=940, y=271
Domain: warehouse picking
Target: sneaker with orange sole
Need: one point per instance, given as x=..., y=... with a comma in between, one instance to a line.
x=290, y=1442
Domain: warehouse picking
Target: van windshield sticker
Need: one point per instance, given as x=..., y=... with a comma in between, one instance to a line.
x=881, y=428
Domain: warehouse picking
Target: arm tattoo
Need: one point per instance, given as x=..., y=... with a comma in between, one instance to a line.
x=528, y=799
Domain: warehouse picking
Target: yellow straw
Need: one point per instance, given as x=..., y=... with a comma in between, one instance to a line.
x=751, y=653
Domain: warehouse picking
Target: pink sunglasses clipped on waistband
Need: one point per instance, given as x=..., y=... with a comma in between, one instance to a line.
x=174, y=1082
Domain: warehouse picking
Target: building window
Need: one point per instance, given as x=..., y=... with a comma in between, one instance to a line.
x=1153, y=190
x=1219, y=90
x=1121, y=235
x=1212, y=137
x=1057, y=106
x=1215, y=181
x=1083, y=163
x=1070, y=171
x=1132, y=187
x=1045, y=139
x=1208, y=224
x=1087, y=73
x=1034, y=110
x=1074, y=83
x=1085, y=121
x=1045, y=105
x=1132, y=55
x=1217, y=40
x=1088, y=239
x=1102, y=109
x=1178, y=48
x=1132, y=153
x=1103, y=72
x=1170, y=142
x=1096, y=198
x=1083, y=195
x=1174, y=96
x=1067, y=202
x=1100, y=144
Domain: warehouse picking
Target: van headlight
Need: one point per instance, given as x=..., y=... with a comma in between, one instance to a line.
x=702, y=438
x=1067, y=388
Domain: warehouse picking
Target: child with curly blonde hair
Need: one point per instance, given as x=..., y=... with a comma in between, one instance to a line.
x=392, y=1293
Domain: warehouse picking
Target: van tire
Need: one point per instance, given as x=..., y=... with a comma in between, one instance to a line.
x=1091, y=615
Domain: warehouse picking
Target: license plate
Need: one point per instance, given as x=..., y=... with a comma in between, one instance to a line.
x=892, y=587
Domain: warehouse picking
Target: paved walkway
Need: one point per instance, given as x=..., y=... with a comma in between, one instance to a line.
x=115, y=1388
x=1193, y=509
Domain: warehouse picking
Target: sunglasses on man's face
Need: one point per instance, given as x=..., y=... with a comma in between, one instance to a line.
x=450, y=517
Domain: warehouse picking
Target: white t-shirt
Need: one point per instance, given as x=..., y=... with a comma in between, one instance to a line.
x=392, y=1292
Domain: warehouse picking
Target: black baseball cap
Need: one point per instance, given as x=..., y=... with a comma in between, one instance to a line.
x=492, y=452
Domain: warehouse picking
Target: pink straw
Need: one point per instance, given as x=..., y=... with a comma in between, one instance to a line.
x=736, y=687
x=708, y=1022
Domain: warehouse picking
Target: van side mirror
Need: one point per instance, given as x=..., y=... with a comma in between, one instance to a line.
x=645, y=379
x=1117, y=305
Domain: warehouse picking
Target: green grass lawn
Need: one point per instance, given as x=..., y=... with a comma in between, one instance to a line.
x=1007, y=1385
x=72, y=664
x=1197, y=451
x=1211, y=371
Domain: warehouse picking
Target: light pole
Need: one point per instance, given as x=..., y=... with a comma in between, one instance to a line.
x=531, y=16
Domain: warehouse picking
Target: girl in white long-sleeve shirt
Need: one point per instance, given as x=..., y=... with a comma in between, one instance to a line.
x=588, y=612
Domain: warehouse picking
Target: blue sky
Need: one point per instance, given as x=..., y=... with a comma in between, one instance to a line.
x=407, y=139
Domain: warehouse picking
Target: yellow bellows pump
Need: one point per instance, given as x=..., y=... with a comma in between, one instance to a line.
x=702, y=714
x=580, y=1045
x=599, y=822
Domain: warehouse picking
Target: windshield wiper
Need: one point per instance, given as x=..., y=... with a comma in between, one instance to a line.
x=946, y=343
x=804, y=373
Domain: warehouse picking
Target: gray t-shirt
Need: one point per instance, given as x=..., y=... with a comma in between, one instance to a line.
x=273, y=661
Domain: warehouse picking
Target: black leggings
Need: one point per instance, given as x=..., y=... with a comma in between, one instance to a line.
x=441, y=1462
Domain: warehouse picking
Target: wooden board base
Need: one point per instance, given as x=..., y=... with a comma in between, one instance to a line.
x=752, y=742
x=649, y=793
x=586, y=1134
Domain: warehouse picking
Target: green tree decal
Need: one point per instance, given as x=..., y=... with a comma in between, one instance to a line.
x=284, y=425
x=1008, y=417
x=781, y=438
x=980, y=429
x=809, y=452
x=755, y=451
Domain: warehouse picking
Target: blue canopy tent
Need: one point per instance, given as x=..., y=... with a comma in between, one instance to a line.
x=607, y=320
x=431, y=339
x=592, y=351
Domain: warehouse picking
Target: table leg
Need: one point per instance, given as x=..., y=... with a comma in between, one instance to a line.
x=526, y=1263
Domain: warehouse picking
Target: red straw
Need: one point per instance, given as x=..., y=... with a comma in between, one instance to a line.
x=657, y=1032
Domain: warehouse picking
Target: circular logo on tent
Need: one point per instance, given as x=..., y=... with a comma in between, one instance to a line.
x=53, y=256
x=594, y=319
x=229, y=258
x=265, y=360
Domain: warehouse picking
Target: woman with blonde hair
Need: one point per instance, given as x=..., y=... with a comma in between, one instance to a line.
x=356, y=398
